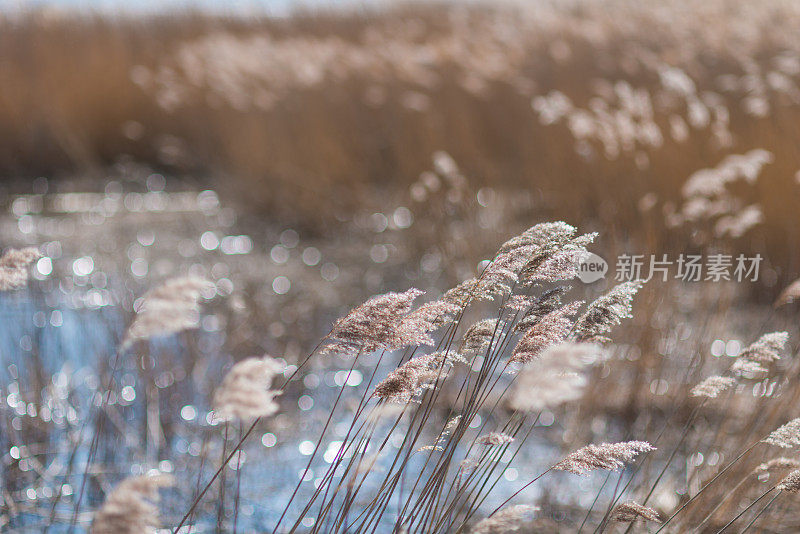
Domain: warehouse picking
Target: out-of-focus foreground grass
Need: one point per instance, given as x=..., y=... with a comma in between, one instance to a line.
x=602, y=110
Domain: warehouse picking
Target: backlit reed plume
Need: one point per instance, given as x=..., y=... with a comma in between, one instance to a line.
x=791, y=483
x=608, y=456
x=555, y=378
x=606, y=312
x=767, y=348
x=169, y=308
x=479, y=335
x=518, y=303
x=540, y=236
x=14, y=267
x=410, y=379
x=712, y=386
x=786, y=436
x=550, y=330
x=546, y=303
x=747, y=368
x=416, y=327
x=776, y=464
x=545, y=252
x=245, y=392
x=789, y=295
x=375, y=324
x=494, y=438
x=631, y=511
x=763, y=351
x=510, y=519
x=130, y=508
x=559, y=262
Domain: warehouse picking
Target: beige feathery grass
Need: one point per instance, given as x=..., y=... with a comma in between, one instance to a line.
x=245, y=392
x=172, y=307
x=608, y=456
x=14, y=265
x=510, y=519
x=631, y=511
x=712, y=386
x=131, y=507
x=786, y=436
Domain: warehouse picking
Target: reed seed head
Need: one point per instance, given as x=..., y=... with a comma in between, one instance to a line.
x=631, y=511
x=791, y=483
x=245, y=392
x=776, y=464
x=494, y=438
x=376, y=324
x=410, y=379
x=550, y=330
x=712, y=386
x=608, y=456
x=509, y=519
x=130, y=508
x=786, y=436
x=607, y=311
x=14, y=267
x=169, y=308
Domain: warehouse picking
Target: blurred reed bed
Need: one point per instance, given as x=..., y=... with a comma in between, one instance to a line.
x=602, y=110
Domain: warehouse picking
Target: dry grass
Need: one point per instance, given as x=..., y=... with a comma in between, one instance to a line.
x=308, y=116
x=671, y=130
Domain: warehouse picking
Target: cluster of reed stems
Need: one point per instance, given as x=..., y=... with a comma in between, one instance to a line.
x=427, y=446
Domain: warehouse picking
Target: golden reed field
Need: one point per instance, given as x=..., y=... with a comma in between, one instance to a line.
x=186, y=192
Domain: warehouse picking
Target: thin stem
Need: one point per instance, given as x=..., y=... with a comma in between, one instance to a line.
x=740, y=514
x=751, y=523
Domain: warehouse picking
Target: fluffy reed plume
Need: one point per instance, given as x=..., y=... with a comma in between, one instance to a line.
x=14, y=267
x=410, y=379
x=549, y=330
x=609, y=456
x=169, y=308
x=555, y=264
x=130, y=508
x=747, y=368
x=478, y=336
x=416, y=327
x=712, y=386
x=469, y=290
x=545, y=252
x=777, y=463
x=547, y=302
x=786, y=436
x=245, y=392
x=375, y=324
x=540, y=236
x=508, y=519
x=494, y=438
x=631, y=511
x=789, y=295
x=791, y=483
x=607, y=311
x=556, y=378
x=763, y=351
x=518, y=303
x=767, y=348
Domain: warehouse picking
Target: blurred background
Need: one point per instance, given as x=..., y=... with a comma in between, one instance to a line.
x=306, y=155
